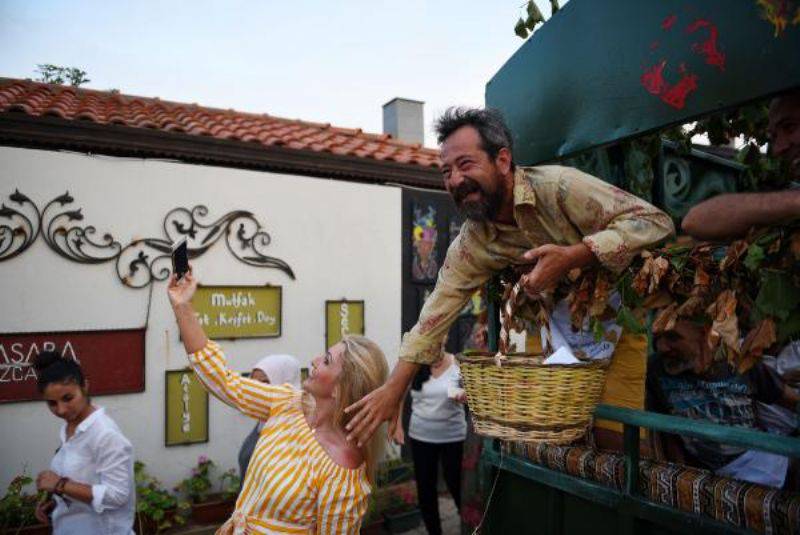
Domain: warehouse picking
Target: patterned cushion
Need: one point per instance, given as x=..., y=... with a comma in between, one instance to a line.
x=755, y=507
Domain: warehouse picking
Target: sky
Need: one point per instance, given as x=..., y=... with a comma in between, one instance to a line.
x=333, y=62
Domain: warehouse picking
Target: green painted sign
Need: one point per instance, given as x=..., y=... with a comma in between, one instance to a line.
x=227, y=312
x=599, y=72
x=342, y=318
x=186, y=409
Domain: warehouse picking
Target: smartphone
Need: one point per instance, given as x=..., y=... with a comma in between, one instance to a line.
x=180, y=257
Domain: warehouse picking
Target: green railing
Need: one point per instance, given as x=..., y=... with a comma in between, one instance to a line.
x=627, y=501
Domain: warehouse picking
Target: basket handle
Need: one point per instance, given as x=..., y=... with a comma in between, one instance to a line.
x=514, y=297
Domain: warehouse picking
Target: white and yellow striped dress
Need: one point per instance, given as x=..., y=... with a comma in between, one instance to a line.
x=291, y=484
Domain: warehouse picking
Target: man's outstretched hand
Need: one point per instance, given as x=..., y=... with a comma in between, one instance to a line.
x=371, y=411
x=380, y=405
x=552, y=263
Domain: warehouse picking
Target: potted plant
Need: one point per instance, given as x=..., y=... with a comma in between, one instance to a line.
x=17, y=509
x=156, y=509
x=209, y=506
x=399, y=506
x=373, y=520
x=393, y=471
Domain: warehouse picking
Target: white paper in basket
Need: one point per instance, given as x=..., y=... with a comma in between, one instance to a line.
x=562, y=356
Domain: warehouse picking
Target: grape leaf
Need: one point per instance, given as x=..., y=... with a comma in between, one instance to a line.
x=778, y=296
x=755, y=255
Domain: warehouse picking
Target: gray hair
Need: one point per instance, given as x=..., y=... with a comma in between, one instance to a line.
x=488, y=122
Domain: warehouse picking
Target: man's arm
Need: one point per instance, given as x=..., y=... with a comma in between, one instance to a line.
x=615, y=225
x=467, y=266
x=731, y=215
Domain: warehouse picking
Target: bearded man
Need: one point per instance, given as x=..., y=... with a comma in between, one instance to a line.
x=558, y=217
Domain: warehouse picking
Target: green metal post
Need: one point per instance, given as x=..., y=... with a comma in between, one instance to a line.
x=631, y=442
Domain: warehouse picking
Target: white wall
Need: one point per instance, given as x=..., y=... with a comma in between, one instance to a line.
x=341, y=239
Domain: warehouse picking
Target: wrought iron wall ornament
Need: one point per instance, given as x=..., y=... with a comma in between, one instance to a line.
x=15, y=239
x=142, y=261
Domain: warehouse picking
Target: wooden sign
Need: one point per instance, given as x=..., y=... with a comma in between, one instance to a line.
x=227, y=312
x=342, y=318
x=186, y=419
x=112, y=361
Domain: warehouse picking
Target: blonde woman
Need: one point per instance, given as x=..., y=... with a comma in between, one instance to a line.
x=304, y=476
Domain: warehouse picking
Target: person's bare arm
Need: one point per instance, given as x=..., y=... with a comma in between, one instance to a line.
x=731, y=215
x=381, y=404
x=552, y=263
x=48, y=481
x=467, y=266
x=180, y=295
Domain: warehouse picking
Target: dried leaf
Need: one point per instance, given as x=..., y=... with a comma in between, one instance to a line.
x=649, y=277
x=734, y=252
x=725, y=327
x=774, y=246
x=660, y=268
x=691, y=306
x=574, y=274
x=642, y=279
x=599, y=301
x=701, y=281
x=666, y=318
x=757, y=341
x=658, y=300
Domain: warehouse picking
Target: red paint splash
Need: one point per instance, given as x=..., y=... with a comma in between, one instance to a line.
x=653, y=78
x=675, y=95
x=708, y=48
x=669, y=22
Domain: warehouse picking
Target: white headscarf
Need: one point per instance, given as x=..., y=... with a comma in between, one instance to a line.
x=280, y=369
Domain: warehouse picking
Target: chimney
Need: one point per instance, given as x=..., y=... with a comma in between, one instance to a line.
x=402, y=118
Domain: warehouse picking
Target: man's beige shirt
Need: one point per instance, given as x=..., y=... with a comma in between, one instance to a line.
x=552, y=204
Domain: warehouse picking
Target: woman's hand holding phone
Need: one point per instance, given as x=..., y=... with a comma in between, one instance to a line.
x=181, y=291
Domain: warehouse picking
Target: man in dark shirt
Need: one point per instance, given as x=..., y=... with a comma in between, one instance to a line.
x=718, y=395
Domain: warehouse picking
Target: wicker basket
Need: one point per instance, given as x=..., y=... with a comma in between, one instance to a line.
x=516, y=397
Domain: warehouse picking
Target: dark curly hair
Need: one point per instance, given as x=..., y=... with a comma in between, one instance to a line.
x=53, y=368
x=489, y=123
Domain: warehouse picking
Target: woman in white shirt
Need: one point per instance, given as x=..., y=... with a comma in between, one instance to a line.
x=437, y=430
x=91, y=475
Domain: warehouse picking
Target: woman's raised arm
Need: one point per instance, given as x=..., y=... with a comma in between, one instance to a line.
x=249, y=396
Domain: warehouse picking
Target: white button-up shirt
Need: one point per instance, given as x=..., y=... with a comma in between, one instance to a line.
x=98, y=455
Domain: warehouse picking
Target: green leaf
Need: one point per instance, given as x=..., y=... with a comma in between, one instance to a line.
x=790, y=328
x=534, y=16
x=778, y=296
x=520, y=29
x=628, y=321
x=597, y=329
x=755, y=255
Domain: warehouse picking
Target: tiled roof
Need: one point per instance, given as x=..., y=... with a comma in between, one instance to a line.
x=103, y=107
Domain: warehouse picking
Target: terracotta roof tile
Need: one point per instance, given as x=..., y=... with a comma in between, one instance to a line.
x=103, y=107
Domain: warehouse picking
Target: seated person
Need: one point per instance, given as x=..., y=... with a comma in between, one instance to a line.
x=719, y=396
x=729, y=216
